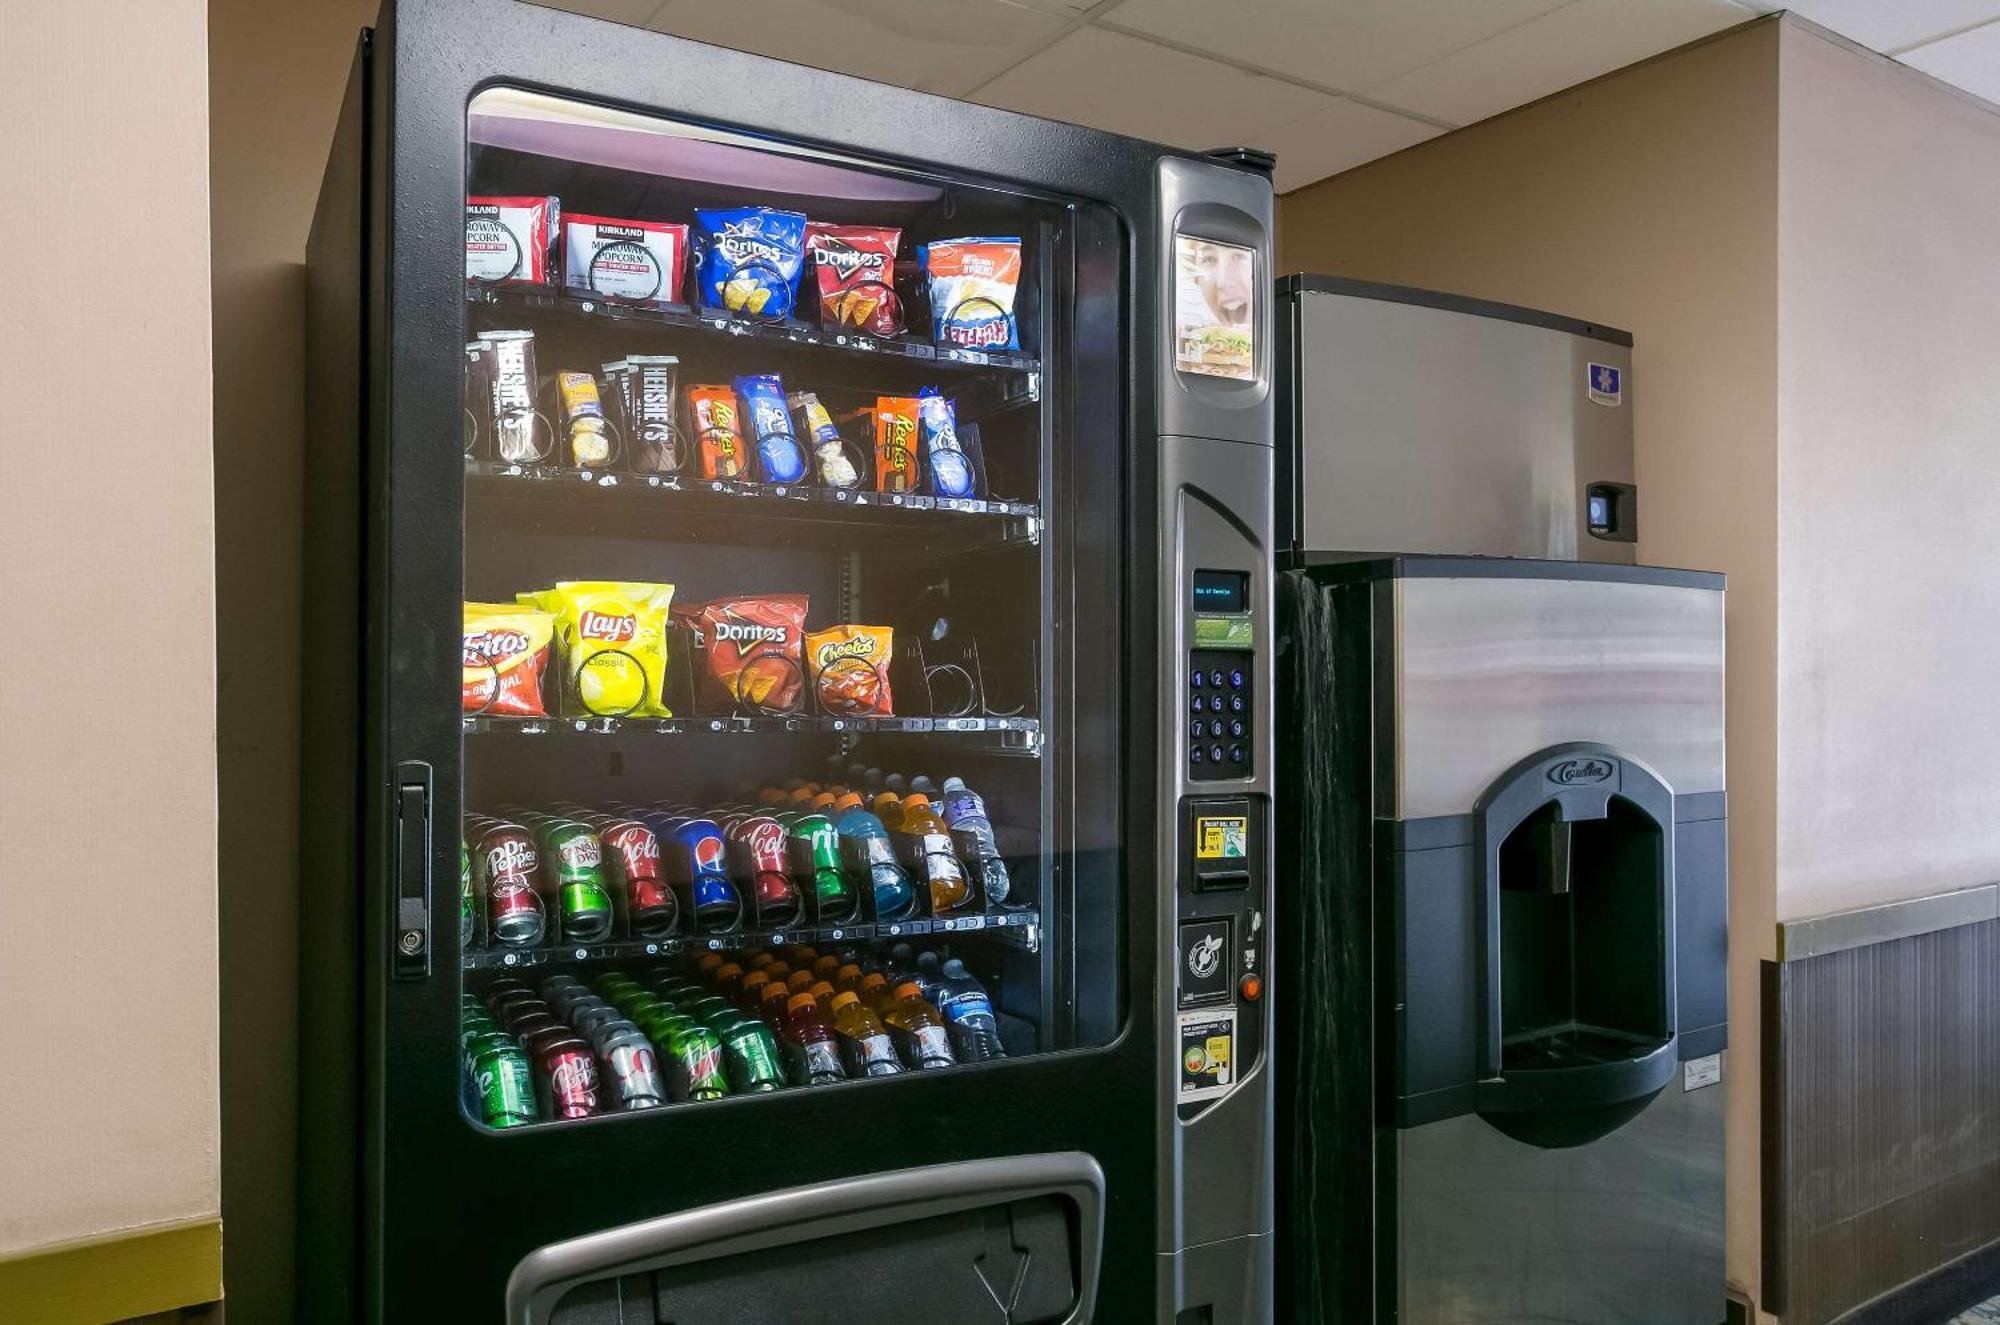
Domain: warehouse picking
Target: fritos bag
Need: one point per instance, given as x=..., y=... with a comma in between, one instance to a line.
x=613, y=635
x=752, y=650
x=850, y=669
x=505, y=654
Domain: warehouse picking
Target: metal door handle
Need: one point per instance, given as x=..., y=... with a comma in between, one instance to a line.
x=410, y=940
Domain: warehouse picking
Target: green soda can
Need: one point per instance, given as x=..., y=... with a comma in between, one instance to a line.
x=611, y=982
x=815, y=857
x=638, y=1005
x=694, y=1063
x=750, y=1056
x=583, y=900
x=506, y=1086
x=712, y=1009
x=468, y=903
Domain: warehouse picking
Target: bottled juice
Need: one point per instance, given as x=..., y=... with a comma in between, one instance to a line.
x=888, y=807
x=865, y=1047
x=916, y=1028
x=869, y=860
x=931, y=856
x=812, y=1056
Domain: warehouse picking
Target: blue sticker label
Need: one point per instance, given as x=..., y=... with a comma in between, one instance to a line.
x=1606, y=384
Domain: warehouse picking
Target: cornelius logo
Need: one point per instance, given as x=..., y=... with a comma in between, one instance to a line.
x=1572, y=771
x=731, y=632
x=614, y=627
x=493, y=646
x=861, y=646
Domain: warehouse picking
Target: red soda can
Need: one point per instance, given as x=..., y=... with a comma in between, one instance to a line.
x=649, y=902
x=566, y=1078
x=507, y=860
x=760, y=847
x=541, y=1037
x=528, y=1023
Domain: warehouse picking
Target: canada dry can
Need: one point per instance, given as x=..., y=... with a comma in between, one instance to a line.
x=506, y=1086
x=750, y=1056
x=506, y=861
x=694, y=1062
x=566, y=1078
x=582, y=899
x=631, y=1071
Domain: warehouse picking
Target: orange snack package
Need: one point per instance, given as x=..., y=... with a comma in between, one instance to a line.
x=717, y=430
x=850, y=669
x=896, y=435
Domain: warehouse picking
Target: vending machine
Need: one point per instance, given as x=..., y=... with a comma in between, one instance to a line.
x=839, y=887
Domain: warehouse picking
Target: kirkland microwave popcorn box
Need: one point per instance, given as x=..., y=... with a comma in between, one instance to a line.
x=612, y=636
x=633, y=261
x=511, y=239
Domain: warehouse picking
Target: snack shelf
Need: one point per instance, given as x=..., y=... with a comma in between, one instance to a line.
x=1022, y=929
x=1012, y=733
x=981, y=522
x=783, y=330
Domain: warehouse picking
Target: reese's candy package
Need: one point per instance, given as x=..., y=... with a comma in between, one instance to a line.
x=648, y=386
x=520, y=432
x=972, y=285
x=896, y=444
x=718, y=434
x=752, y=653
x=613, y=637
x=780, y=458
x=585, y=430
x=505, y=654
x=950, y=468
x=511, y=239
x=856, y=268
x=850, y=670
x=831, y=463
x=636, y=261
x=750, y=259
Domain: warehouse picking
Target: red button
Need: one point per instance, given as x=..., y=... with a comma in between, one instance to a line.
x=1252, y=988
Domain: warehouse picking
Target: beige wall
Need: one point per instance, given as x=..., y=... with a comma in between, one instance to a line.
x=107, y=697
x=1889, y=460
x=1647, y=200
x=276, y=72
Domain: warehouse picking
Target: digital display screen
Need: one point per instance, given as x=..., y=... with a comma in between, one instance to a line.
x=1215, y=308
x=1221, y=591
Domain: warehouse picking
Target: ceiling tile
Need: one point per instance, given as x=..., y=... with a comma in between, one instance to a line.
x=631, y=12
x=1970, y=61
x=1892, y=25
x=1339, y=137
x=1340, y=44
x=948, y=46
x=1560, y=49
x=1130, y=86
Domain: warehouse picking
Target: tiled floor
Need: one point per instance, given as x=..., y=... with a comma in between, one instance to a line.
x=1986, y=1313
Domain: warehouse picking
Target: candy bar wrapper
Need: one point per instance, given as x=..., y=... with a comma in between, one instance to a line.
x=520, y=433
x=780, y=459
x=584, y=425
x=648, y=383
x=751, y=259
x=717, y=431
x=950, y=468
x=511, y=239
x=832, y=465
x=856, y=270
x=972, y=286
x=634, y=261
x=896, y=434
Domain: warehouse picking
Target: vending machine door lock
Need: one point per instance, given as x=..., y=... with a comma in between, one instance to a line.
x=410, y=948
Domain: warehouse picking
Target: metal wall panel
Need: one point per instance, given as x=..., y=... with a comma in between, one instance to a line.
x=1882, y=1117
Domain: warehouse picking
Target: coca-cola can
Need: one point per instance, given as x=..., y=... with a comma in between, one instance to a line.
x=566, y=1078
x=631, y=1070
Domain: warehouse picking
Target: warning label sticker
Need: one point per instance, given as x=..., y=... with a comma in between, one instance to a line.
x=1208, y=1053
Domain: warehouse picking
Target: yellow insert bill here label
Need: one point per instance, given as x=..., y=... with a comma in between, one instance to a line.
x=1221, y=836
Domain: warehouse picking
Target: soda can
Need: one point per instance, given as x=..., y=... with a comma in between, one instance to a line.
x=750, y=1056
x=630, y=1070
x=566, y=1078
x=694, y=1063
x=712, y=1010
x=468, y=900
x=611, y=982
x=637, y=1006
x=587, y=1020
x=583, y=902
x=567, y=1001
x=505, y=1085
x=528, y=1023
x=505, y=863
x=559, y=981
x=501, y=995
x=634, y=852
x=541, y=1037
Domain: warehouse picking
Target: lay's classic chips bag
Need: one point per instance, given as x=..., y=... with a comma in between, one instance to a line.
x=613, y=639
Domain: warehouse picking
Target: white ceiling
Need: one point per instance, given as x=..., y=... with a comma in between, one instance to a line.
x=1326, y=84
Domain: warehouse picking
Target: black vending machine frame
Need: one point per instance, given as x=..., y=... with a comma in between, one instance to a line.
x=407, y=1211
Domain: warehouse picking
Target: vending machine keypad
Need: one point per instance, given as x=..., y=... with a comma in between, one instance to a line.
x=1221, y=699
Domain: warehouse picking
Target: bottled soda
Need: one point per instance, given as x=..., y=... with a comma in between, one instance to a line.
x=808, y=1040
x=566, y=1078
x=576, y=858
x=864, y=1043
x=630, y=1070
x=759, y=843
x=972, y=834
x=815, y=853
x=507, y=865
x=968, y=1014
x=932, y=858
x=919, y=1033
x=634, y=857
x=870, y=861
x=504, y=1083
x=750, y=1056
x=699, y=867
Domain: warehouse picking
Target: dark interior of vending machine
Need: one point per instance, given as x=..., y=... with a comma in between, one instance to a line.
x=966, y=585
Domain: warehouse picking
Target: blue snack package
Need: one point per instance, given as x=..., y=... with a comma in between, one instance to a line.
x=751, y=258
x=972, y=286
x=761, y=401
x=950, y=468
